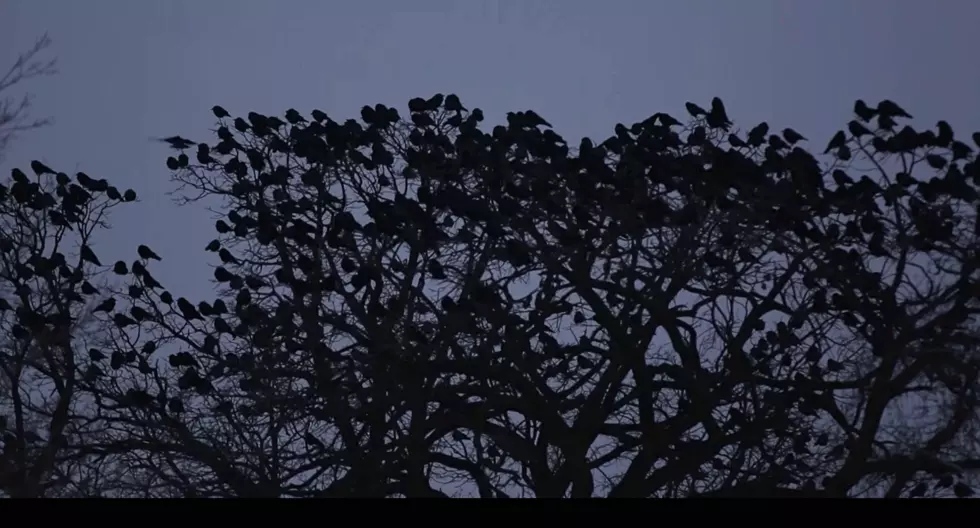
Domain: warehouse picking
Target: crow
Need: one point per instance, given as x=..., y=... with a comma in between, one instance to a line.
x=176, y=142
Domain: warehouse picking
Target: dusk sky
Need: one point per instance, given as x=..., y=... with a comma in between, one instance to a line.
x=132, y=70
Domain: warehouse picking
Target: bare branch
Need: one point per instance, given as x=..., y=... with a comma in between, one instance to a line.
x=15, y=111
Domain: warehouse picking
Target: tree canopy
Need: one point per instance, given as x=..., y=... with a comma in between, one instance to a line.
x=410, y=305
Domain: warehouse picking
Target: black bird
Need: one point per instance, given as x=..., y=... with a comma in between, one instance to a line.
x=219, y=112
x=718, y=117
x=535, y=120
x=146, y=253
x=122, y=321
x=945, y=135
x=694, y=110
x=864, y=112
x=453, y=103
x=177, y=142
x=735, y=141
x=841, y=178
x=368, y=115
x=792, y=137
x=434, y=102
x=223, y=275
x=890, y=109
x=416, y=104
x=757, y=135
x=777, y=142
x=89, y=256
x=40, y=168
x=222, y=326
x=149, y=281
x=857, y=129
x=19, y=176
x=107, y=305
x=294, y=117
x=886, y=122
x=187, y=309
x=227, y=257
x=836, y=142
x=667, y=120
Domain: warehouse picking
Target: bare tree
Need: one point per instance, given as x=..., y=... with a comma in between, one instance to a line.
x=415, y=307
x=15, y=110
x=412, y=306
x=48, y=293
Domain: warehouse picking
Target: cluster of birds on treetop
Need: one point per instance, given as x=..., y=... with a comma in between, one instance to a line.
x=436, y=182
x=568, y=195
x=499, y=193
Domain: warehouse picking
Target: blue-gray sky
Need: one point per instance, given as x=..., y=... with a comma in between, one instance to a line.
x=131, y=70
x=135, y=69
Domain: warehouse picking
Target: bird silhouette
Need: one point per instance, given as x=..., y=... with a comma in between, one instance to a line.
x=106, y=306
x=757, y=134
x=857, y=129
x=667, y=120
x=945, y=134
x=864, y=112
x=695, y=110
x=718, y=117
x=89, y=256
x=792, y=137
x=294, y=117
x=453, y=104
x=837, y=141
x=146, y=253
x=40, y=169
x=736, y=141
x=889, y=108
x=187, y=309
x=176, y=142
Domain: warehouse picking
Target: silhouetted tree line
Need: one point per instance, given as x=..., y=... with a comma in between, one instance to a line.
x=409, y=305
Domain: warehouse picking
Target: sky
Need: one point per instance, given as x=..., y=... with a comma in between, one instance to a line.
x=134, y=70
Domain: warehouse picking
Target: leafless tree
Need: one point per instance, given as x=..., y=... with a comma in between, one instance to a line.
x=415, y=307
x=48, y=292
x=15, y=110
x=412, y=306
